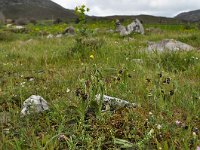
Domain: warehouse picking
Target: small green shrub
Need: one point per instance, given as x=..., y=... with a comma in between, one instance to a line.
x=84, y=46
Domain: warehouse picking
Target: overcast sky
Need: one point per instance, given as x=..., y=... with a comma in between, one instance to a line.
x=168, y=8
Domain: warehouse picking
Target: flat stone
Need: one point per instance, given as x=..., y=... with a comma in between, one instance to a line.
x=114, y=103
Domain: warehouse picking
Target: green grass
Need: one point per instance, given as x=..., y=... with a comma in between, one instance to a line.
x=62, y=64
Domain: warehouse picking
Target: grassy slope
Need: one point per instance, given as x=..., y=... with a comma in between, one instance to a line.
x=55, y=70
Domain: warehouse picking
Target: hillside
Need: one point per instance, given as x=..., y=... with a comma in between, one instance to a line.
x=146, y=19
x=37, y=9
x=193, y=16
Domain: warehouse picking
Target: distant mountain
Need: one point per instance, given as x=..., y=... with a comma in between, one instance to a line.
x=46, y=9
x=192, y=16
x=37, y=9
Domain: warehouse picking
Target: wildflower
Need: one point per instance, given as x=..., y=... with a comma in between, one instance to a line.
x=92, y=56
x=194, y=134
x=121, y=71
x=159, y=126
x=150, y=113
x=150, y=94
x=167, y=80
x=23, y=84
x=129, y=76
x=178, y=122
x=198, y=147
x=31, y=79
x=62, y=138
x=151, y=132
x=160, y=75
x=6, y=131
x=148, y=80
x=171, y=92
x=68, y=90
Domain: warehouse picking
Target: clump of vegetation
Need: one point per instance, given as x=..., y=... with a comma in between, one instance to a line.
x=86, y=46
x=80, y=12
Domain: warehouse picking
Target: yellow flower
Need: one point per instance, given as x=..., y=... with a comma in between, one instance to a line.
x=92, y=56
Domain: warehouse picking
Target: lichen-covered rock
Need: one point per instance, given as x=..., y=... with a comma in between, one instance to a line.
x=119, y=27
x=138, y=26
x=168, y=44
x=114, y=103
x=34, y=104
x=135, y=26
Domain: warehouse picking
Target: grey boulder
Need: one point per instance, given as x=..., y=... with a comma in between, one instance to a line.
x=136, y=26
x=69, y=30
x=169, y=44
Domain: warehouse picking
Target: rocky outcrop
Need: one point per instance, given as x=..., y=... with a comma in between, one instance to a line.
x=136, y=26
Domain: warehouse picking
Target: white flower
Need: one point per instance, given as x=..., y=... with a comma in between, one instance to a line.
x=31, y=79
x=194, y=134
x=68, y=90
x=178, y=122
x=159, y=126
x=150, y=113
x=23, y=84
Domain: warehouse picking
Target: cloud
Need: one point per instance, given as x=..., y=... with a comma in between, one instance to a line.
x=167, y=8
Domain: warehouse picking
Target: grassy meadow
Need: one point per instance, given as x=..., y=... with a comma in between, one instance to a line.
x=69, y=71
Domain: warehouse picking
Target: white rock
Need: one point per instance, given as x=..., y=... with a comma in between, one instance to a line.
x=114, y=102
x=59, y=36
x=34, y=104
x=19, y=27
x=168, y=44
x=135, y=26
x=50, y=36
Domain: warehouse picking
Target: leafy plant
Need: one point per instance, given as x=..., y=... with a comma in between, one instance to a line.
x=80, y=12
